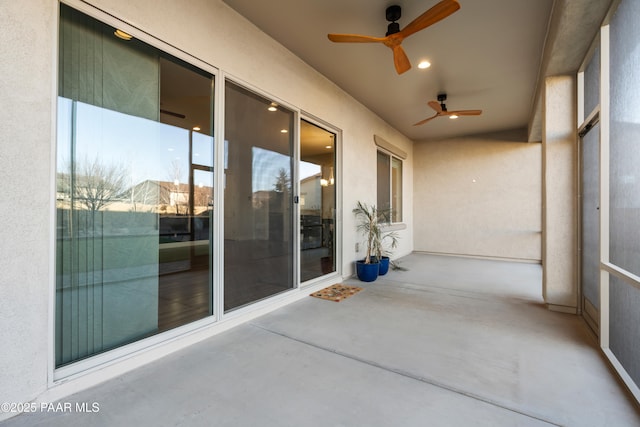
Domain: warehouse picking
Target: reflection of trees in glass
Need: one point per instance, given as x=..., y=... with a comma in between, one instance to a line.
x=97, y=184
x=283, y=181
x=178, y=196
x=144, y=196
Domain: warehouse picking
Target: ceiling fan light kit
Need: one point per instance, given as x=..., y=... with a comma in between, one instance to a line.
x=394, y=36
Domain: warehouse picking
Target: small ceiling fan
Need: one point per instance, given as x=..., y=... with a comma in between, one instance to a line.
x=441, y=110
x=394, y=36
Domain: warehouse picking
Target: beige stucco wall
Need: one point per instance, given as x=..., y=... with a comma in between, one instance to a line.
x=478, y=196
x=26, y=61
x=560, y=165
x=206, y=29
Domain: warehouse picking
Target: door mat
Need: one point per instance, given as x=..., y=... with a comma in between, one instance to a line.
x=336, y=292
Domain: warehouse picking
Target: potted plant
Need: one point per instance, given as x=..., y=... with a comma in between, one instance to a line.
x=367, y=223
x=381, y=251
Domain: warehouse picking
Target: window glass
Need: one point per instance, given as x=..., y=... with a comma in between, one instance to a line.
x=384, y=182
x=133, y=236
x=389, y=182
x=317, y=201
x=396, y=189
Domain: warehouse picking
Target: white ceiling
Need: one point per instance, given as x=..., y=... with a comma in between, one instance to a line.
x=489, y=55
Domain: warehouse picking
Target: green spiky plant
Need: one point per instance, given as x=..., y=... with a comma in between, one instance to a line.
x=379, y=247
x=367, y=217
x=369, y=224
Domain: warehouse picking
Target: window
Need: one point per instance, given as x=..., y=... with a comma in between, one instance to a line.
x=390, y=185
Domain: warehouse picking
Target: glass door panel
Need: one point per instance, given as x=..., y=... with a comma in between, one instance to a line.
x=132, y=253
x=258, y=203
x=317, y=201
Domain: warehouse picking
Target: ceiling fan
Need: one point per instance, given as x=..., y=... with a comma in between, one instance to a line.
x=394, y=36
x=441, y=110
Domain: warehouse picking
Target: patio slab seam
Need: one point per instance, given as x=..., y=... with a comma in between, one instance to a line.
x=408, y=375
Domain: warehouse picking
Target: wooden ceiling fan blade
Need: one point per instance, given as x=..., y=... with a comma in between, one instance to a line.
x=400, y=59
x=430, y=17
x=436, y=106
x=354, y=38
x=465, y=113
x=425, y=120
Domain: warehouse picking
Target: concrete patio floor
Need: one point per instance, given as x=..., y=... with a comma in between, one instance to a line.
x=450, y=342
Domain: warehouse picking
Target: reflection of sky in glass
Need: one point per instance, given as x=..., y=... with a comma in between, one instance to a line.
x=202, y=178
x=64, y=133
x=150, y=150
x=266, y=168
x=147, y=149
x=202, y=146
x=308, y=169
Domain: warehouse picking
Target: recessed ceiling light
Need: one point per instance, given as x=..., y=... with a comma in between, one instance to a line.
x=424, y=64
x=122, y=35
x=284, y=131
x=453, y=116
x=273, y=107
x=328, y=147
x=196, y=128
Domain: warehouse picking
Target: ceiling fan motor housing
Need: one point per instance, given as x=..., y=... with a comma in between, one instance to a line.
x=393, y=13
x=441, y=98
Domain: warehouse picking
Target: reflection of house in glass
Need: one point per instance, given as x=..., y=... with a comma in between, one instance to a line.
x=183, y=209
x=310, y=212
x=167, y=197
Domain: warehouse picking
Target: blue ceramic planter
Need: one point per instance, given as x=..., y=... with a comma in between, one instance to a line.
x=367, y=272
x=384, y=266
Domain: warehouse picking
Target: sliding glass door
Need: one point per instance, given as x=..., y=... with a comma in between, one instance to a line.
x=143, y=220
x=317, y=201
x=133, y=190
x=258, y=198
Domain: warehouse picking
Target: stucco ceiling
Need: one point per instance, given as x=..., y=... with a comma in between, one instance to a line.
x=490, y=55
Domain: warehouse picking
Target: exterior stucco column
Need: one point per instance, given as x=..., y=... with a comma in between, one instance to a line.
x=559, y=190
